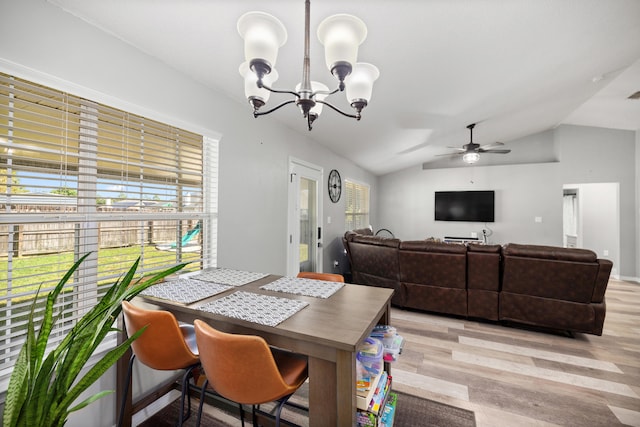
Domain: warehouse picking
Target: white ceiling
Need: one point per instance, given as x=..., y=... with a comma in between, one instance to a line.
x=516, y=68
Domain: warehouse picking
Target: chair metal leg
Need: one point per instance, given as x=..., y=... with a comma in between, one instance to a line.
x=185, y=388
x=281, y=402
x=200, y=406
x=242, y=414
x=125, y=395
x=203, y=392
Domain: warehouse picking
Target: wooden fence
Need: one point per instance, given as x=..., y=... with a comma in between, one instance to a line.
x=41, y=238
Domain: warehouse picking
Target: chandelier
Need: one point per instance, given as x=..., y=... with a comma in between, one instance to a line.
x=340, y=34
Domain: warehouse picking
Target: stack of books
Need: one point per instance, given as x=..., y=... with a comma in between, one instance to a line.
x=373, y=402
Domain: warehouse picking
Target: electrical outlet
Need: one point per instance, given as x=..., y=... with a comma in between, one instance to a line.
x=474, y=235
x=605, y=252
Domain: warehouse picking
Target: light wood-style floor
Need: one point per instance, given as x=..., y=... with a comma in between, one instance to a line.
x=516, y=377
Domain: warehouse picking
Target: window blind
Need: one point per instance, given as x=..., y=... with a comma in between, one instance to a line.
x=77, y=176
x=357, y=205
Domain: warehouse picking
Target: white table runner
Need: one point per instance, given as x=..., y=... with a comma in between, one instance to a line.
x=302, y=286
x=256, y=308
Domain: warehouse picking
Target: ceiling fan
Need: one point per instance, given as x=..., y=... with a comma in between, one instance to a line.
x=471, y=152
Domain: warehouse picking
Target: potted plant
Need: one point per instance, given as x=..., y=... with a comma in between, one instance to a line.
x=43, y=386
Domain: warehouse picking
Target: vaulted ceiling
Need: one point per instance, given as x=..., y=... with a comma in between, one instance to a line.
x=516, y=68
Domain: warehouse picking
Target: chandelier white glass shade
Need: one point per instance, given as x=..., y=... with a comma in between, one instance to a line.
x=360, y=83
x=341, y=36
x=471, y=157
x=263, y=35
x=252, y=91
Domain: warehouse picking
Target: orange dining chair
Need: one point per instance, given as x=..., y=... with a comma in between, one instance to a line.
x=246, y=370
x=165, y=345
x=327, y=277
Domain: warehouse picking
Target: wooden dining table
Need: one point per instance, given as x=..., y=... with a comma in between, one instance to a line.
x=328, y=331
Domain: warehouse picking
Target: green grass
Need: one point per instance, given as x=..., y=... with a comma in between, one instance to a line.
x=30, y=271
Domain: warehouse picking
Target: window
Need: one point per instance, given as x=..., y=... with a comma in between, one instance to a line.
x=357, y=208
x=77, y=176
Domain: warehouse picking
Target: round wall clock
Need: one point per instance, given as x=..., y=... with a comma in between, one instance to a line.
x=335, y=186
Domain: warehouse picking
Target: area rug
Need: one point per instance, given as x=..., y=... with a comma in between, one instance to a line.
x=410, y=411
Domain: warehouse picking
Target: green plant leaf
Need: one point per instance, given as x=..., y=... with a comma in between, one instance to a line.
x=21, y=377
x=37, y=405
x=17, y=390
x=41, y=389
x=96, y=372
x=47, y=321
x=91, y=399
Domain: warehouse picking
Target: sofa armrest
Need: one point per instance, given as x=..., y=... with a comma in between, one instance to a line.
x=601, y=280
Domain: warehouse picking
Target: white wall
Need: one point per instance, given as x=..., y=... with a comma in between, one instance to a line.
x=42, y=43
x=406, y=202
x=637, y=207
x=523, y=192
x=597, y=155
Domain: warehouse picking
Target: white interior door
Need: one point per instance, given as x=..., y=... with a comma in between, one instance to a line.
x=304, y=251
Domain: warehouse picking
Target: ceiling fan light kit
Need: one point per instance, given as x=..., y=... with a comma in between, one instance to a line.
x=341, y=36
x=471, y=152
x=471, y=157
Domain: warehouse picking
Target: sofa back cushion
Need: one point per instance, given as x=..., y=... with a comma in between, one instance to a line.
x=364, y=231
x=377, y=256
x=550, y=272
x=550, y=252
x=433, y=263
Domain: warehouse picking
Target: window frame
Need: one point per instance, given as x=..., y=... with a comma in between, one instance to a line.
x=352, y=185
x=208, y=212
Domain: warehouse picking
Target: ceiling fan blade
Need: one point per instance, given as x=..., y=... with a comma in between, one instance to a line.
x=450, y=154
x=494, y=151
x=490, y=146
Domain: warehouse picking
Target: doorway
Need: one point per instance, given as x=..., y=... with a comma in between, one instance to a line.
x=304, y=249
x=591, y=219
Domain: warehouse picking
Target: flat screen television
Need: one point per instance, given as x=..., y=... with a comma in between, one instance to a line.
x=474, y=206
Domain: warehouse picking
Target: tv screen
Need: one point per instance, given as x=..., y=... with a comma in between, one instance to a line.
x=475, y=206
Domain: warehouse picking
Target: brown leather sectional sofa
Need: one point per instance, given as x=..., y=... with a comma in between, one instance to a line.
x=544, y=286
